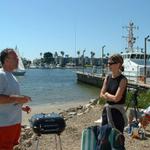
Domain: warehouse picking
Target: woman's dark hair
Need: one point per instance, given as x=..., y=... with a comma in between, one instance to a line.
x=117, y=58
x=4, y=54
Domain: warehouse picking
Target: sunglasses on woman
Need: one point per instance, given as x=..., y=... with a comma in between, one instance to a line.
x=111, y=63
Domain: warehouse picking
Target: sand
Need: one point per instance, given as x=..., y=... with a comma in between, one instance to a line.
x=71, y=136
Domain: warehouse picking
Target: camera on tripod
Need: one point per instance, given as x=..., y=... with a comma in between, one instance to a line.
x=135, y=93
x=134, y=90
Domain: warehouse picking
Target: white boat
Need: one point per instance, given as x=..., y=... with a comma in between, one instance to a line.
x=21, y=69
x=136, y=62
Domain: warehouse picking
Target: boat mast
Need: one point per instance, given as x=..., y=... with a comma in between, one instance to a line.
x=130, y=38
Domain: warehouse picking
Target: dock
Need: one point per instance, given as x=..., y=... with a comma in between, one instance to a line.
x=90, y=78
x=97, y=80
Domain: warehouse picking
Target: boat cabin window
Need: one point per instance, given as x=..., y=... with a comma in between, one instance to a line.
x=133, y=56
x=142, y=56
x=125, y=56
x=138, y=56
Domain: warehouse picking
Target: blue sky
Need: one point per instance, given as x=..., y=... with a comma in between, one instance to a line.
x=37, y=26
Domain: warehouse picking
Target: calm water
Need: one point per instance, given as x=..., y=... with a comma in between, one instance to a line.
x=55, y=86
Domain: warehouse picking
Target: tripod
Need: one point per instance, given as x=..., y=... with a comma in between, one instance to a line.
x=57, y=141
x=134, y=102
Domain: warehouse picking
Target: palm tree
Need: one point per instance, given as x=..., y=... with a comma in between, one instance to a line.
x=55, y=54
x=41, y=60
x=78, y=53
x=62, y=53
x=107, y=55
x=41, y=54
x=67, y=56
x=56, y=57
x=62, y=58
x=92, y=57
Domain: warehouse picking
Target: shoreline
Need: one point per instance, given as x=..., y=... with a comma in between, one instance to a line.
x=49, y=108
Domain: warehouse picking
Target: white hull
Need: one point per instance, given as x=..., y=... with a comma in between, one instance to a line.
x=19, y=73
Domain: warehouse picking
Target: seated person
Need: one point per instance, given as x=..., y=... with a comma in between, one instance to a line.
x=134, y=115
x=141, y=118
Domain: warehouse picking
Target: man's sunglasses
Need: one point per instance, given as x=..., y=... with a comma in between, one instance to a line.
x=111, y=63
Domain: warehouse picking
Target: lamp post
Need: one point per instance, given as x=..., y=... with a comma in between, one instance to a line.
x=83, y=59
x=102, y=59
x=145, y=53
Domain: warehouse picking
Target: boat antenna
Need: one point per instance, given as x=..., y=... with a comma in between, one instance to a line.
x=130, y=37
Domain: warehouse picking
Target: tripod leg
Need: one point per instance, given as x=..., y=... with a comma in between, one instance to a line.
x=37, y=145
x=60, y=142
x=135, y=112
x=127, y=107
x=56, y=141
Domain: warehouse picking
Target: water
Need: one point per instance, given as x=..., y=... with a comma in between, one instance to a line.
x=55, y=86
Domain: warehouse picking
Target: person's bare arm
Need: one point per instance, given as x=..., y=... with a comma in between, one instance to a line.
x=5, y=99
x=103, y=90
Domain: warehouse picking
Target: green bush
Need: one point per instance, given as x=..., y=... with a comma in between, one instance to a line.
x=101, y=101
x=144, y=99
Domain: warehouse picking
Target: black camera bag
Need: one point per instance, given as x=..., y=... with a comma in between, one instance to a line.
x=51, y=123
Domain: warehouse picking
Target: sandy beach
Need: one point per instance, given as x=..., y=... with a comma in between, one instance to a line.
x=85, y=116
